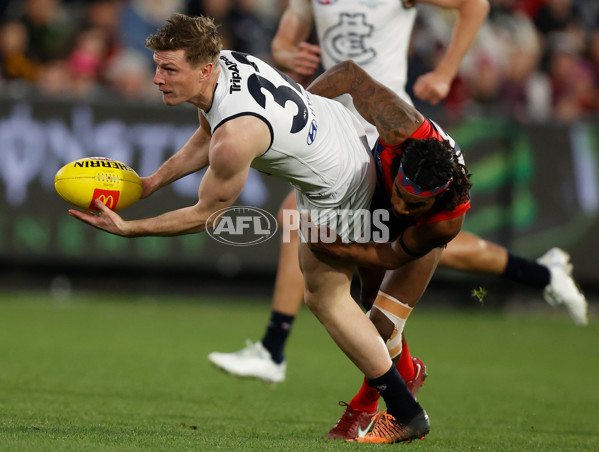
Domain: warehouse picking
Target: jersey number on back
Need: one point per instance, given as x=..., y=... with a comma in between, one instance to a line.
x=281, y=94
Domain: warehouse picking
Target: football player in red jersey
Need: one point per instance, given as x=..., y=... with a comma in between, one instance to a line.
x=422, y=179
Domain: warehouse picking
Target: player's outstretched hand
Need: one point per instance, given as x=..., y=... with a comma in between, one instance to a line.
x=306, y=59
x=106, y=220
x=432, y=87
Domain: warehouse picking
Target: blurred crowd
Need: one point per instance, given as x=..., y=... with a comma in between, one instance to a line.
x=94, y=49
x=534, y=60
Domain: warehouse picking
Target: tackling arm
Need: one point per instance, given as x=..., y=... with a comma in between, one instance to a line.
x=415, y=242
x=394, y=119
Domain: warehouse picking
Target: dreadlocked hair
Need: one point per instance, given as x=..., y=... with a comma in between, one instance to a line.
x=431, y=163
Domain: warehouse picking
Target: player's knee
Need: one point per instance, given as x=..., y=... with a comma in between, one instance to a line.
x=312, y=302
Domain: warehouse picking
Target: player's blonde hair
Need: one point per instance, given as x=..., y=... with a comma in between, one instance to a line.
x=198, y=36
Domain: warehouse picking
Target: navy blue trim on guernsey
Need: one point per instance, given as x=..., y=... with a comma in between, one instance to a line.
x=256, y=115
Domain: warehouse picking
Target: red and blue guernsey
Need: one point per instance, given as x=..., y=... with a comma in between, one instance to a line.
x=383, y=155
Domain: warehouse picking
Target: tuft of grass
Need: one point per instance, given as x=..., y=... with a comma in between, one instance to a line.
x=480, y=294
x=110, y=372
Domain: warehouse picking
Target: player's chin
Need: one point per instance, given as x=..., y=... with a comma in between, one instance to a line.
x=170, y=99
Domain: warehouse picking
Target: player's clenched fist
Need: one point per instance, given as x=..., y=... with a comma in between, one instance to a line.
x=431, y=87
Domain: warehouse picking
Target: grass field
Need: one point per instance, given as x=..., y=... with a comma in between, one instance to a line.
x=109, y=372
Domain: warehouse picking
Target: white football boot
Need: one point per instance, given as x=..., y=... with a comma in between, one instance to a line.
x=252, y=361
x=562, y=289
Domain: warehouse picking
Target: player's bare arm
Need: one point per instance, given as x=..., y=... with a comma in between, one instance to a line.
x=290, y=50
x=233, y=147
x=413, y=243
x=395, y=120
x=434, y=86
x=192, y=157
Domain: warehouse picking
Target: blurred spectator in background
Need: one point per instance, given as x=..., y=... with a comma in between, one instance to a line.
x=554, y=15
x=14, y=63
x=247, y=25
x=48, y=27
x=129, y=78
x=502, y=76
x=534, y=60
x=85, y=62
x=220, y=11
x=566, y=28
x=54, y=79
x=141, y=18
x=526, y=90
x=574, y=89
x=104, y=16
x=593, y=54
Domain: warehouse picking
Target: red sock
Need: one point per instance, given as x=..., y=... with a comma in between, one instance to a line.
x=367, y=399
x=405, y=365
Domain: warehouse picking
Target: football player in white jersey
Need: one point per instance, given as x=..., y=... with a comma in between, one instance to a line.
x=375, y=34
x=253, y=116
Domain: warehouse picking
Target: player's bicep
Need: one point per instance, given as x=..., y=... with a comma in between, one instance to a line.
x=223, y=181
x=233, y=148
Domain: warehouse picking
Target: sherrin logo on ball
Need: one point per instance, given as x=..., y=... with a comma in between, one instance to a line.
x=83, y=181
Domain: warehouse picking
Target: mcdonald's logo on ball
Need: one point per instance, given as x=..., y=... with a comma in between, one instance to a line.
x=83, y=181
x=109, y=197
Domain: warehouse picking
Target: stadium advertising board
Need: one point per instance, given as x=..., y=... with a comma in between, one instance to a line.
x=534, y=187
x=38, y=138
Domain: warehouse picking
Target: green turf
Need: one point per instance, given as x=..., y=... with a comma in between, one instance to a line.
x=127, y=373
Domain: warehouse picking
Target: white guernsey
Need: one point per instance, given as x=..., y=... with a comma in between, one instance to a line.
x=316, y=144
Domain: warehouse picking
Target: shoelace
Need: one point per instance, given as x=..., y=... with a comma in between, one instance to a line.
x=344, y=419
x=385, y=426
x=250, y=349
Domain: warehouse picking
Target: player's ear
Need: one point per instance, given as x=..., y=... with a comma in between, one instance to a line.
x=206, y=71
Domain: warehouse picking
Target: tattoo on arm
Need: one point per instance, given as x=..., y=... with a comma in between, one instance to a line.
x=394, y=119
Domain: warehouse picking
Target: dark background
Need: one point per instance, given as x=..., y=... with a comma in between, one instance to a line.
x=535, y=187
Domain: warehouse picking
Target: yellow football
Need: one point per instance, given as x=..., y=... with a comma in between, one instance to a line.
x=83, y=181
